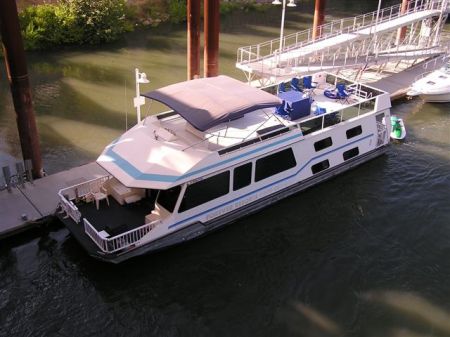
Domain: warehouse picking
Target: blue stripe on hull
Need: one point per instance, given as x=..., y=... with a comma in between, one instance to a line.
x=135, y=173
x=272, y=184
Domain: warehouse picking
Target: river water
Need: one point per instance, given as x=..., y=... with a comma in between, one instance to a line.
x=365, y=254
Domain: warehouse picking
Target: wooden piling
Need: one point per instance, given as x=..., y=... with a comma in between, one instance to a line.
x=193, y=31
x=402, y=30
x=211, y=32
x=319, y=18
x=16, y=68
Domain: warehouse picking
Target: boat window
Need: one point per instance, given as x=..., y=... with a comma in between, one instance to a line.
x=323, y=165
x=242, y=176
x=323, y=144
x=168, y=198
x=351, y=153
x=274, y=163
x=380, y=118
x=238, y=146
x=205, y=190
x=353, y=132
x=431, y=83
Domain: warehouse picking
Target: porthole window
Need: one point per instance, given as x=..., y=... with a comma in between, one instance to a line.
x=323, y=165
x=353, y=132
x=323, y=144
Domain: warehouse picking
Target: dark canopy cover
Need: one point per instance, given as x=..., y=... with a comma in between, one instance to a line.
x=207, y=102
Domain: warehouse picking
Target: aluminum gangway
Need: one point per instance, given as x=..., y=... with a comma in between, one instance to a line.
x=358, y=42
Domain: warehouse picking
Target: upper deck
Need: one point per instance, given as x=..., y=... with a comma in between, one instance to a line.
x=165, y=149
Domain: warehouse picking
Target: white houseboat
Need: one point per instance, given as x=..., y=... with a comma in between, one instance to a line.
x=223, y=151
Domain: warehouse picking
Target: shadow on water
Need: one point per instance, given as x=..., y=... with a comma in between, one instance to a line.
x=312, y=265
x=315, y=264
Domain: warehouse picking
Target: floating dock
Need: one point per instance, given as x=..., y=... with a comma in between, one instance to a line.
x=25, y=206
x=397, y=84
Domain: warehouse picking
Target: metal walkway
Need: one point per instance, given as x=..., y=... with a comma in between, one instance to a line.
x=358, y=42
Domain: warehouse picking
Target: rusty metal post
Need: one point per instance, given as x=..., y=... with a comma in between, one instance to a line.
x=319, y=18
x=16, y=68
x=401, y=33
x=193, y=31
x=211, y=31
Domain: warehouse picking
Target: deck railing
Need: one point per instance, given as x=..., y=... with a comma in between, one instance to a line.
x=119, y=242
x=75, y=192
x=71, y=210
x=367, y=97
x=113, y=244
x=267, y=54
x=322, y=121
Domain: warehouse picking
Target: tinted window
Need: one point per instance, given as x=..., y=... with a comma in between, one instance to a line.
x=205, y=190
x=322, y=144
x=242, y=176
x=323, y=165
x=274, y=163
x=168, y=198
x=351, y=153
x=357, y=130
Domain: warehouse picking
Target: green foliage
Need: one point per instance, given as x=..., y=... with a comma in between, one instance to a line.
x=226, y=7
x=40, y=26
x=74, y=22
x=77, y=22
x=177, y=11
x=98, y=20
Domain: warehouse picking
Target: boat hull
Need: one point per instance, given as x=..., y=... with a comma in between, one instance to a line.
x=198, y=229
x=436, y=98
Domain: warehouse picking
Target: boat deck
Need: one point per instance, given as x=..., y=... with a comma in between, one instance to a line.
x=249, y=126
x=116, y=219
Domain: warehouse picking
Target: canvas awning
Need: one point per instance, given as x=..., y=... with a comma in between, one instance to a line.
x=207, y=102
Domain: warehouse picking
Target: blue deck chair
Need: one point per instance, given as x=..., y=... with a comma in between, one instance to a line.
x=342, y=93
x=295, y=84
x=281, y=87
x=309, y=84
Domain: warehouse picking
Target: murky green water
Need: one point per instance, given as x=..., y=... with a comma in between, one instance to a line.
x=366, y=254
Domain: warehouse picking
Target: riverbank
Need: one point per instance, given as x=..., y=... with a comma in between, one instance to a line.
x=49, y=25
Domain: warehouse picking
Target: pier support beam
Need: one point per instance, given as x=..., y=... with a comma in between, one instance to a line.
x=401, y=33
x=319, y=18
x=212, y=28
x=193, y=31
x=16, y=68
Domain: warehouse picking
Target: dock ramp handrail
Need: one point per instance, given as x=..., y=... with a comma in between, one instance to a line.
x=366, y=40
x=253, y=53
